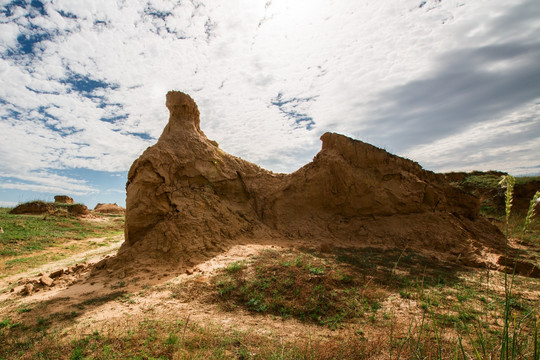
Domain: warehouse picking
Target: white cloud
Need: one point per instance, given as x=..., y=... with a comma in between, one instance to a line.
x=234, y=59
x=52, y=189
x=8, y=203
x=8, y=34
x=511, y=143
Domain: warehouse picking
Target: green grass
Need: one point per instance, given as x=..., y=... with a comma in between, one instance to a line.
x=455, y=313
x=492, y=181
x=486, y=181
x=520, y=180
x=487, y=187
x=24, y=234
x=32, y=240
x=235, y=267
x=510, y=334
x=301, y=285
x=102, y=299
x=351, y=286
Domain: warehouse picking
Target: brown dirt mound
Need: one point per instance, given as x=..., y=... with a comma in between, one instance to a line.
x=187, y=200
x=78, y=210
x=109, y=209
x=33, y=208
x=63, y=199
x=40, y=208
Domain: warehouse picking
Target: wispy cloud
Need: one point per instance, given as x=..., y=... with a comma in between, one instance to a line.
x=511, y=143
x=8, y=203
x=479, y=107
x=82, y=83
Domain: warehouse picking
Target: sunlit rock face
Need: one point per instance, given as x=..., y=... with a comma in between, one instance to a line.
x=187, y=200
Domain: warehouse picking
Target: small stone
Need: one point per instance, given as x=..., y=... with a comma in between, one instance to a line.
x=325, y=248
x=101, y=264
x=27, y=290
x=79, y=267
x=189, y=272
x=45, y=280
x=56, y=273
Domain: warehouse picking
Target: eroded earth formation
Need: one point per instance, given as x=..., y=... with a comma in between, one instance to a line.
x=187, y=200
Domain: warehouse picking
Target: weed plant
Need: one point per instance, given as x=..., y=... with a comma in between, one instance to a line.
x=510, y=344
x=290, y=284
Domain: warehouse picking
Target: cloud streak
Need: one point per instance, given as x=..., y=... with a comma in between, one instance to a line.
x=470, y=87
x=479, y=107
x=82, y=84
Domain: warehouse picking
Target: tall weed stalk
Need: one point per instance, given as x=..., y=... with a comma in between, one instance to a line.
x=507, y=181
x=509, y=346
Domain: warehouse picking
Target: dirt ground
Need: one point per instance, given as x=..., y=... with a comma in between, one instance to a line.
x=144, y=295
x=96, y=299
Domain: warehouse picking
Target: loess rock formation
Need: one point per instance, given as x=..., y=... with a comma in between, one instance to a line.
x=109, y=209
x=43, y=208
x=63, y=199
x=187, y=200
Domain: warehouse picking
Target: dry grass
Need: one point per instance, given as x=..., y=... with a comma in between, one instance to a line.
x=158, y=339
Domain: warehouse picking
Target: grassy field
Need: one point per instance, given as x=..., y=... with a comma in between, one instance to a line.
x=31, y=240
x=492, y=182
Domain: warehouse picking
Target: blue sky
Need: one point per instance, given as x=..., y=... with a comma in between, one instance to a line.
x=453, y=85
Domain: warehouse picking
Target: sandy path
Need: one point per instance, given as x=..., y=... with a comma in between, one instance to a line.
x=89, y=256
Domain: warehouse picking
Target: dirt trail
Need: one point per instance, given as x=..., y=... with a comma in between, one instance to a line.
x=89, y=256
x=90, y=292
x=109, y=301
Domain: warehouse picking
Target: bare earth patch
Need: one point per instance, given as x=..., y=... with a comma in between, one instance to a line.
x=186, y=315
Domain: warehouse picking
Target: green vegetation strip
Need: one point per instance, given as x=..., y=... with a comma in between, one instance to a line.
x=298, y=285
x=24, y=234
